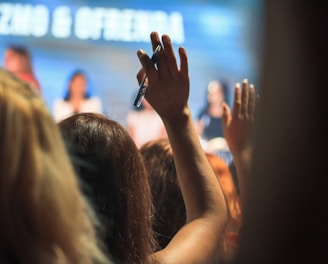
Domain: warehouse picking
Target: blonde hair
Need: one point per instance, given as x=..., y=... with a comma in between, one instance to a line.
x=43, y=214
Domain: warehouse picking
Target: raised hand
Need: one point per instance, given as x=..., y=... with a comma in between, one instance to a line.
x=237, y=128
x=206, y=214
x=237, y=125
x=168, y=86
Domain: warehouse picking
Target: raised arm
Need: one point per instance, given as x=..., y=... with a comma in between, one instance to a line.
x=168, y=92
x=237, y=127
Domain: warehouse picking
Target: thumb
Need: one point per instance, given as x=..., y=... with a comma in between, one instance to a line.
x=226, y=118
x=147, y=64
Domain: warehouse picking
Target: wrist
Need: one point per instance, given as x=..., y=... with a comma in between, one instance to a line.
x=178, y=118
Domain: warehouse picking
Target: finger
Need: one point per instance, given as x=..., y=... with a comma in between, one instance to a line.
x=244, y=98
x=146, y=63
x=141, y=75
x=161, y=58
x=184, y=63
x=237, y=102
x=155, y=40
x=226, y=117
x=170, y=57
x=251, y=101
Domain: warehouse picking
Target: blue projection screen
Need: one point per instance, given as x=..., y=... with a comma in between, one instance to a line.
x=102, y=37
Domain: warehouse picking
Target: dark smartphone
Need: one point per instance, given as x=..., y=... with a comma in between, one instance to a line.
x=143, y=87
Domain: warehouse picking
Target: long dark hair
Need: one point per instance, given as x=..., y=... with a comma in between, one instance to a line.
x=72, y=76
x=113, y=176
x=169, y=209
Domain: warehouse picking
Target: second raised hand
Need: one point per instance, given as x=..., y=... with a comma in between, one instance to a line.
x=238, y=124
x=237, y=128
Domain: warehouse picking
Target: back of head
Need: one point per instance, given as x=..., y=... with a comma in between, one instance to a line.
x=229, y=241
x=43, y=217
x=224, y=176
x=170, y=213
x=113, y=175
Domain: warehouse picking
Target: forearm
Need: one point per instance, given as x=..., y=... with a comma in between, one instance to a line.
x=242, y=164
x=200, y=189
x=168, y=91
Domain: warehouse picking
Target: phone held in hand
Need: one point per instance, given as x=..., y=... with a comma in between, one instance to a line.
x=143, y=87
